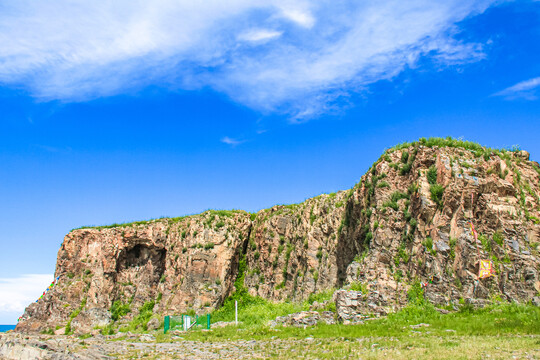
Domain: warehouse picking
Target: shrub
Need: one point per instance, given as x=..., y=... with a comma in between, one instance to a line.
x=404, y=157
x=398, y=195
x=405, y=169
x=415, y=294
x=486, y=243
x=359, y=286
x=428, y=243
x=119, y=309
x=432, y=175
x=141, y=320
x=209, y=246
x=452, y=243
x=437, y=191
x=498, y=238
x=412, y=189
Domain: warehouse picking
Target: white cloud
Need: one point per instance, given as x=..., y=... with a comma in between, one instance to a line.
x=273, y=55
x=230, y=141
x=260, y=35
x=525, y=90
x=17, y=293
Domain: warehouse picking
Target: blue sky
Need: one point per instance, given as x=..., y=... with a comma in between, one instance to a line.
x=113, y=113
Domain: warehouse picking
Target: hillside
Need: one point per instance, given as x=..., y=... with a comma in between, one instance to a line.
x=404, y=224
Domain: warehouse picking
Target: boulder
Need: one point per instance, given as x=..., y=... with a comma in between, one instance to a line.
x=354, y=306
x=153, y=324
x=305, y=318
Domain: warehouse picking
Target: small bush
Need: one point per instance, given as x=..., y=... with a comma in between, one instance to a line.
x=405, y=169
x=404, y=157
x=432, y=175
x=209, y=246
x=415, y=295
x=498, y=238
x=437, y=192
x=359, y=286
x=428, y=243
x=119, y=309
x=383, y=184
x=486, y=243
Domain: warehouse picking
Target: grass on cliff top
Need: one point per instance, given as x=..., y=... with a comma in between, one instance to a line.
x=219, y=213
x=452, y=143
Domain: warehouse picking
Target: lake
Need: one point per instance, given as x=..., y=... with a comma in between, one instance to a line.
x=4, y=328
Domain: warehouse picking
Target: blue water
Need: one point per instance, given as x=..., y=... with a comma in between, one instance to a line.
x=4, y=328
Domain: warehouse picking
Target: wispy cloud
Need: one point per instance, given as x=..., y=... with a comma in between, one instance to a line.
x=230, y=141
x=17, y=293
x=260, y=35
x=274, y=55
x=523, y=90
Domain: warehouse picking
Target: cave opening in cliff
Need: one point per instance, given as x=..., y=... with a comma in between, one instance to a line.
x=141, y=265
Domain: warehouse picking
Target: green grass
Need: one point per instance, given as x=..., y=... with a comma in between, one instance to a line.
x=452, y=143
x=494, y=320
x=212, y=213
x=140, y=321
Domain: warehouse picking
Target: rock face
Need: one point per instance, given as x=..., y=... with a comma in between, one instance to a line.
x=406, y=221
x=87, y=320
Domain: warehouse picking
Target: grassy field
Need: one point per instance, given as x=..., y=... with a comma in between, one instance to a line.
x=420, y=332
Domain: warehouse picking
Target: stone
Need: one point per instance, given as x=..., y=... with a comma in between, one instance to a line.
x=304, y=318
x=355, y=307
x=153, y=324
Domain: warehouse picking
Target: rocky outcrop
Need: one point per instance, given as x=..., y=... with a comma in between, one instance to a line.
x=413, y=211
x=406, y=222
x=294, y=250
x=180, y=264
x=355, y=306
x=90, y=319
x=305, y=318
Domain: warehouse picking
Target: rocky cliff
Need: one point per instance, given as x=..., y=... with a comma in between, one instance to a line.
x=406, y=222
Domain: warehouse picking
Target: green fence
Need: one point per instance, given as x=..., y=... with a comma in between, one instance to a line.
x=186, y=322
